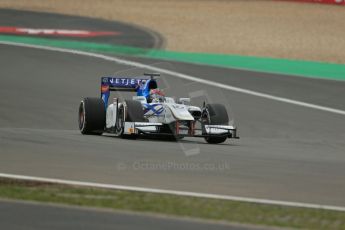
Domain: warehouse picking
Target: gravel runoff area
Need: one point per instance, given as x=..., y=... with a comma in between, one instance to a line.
x=245, y=27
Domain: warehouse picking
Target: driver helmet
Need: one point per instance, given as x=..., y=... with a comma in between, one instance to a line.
x=156, y=95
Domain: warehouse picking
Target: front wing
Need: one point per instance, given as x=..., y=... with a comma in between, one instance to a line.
x=148, y=128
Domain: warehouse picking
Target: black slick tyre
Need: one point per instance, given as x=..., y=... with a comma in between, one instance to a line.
x=91, y=116
x=215, y=114
x=131, y=111
x=135, y=112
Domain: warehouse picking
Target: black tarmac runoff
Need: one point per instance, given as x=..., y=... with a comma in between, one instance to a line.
x=28, y=215
x=126, y=34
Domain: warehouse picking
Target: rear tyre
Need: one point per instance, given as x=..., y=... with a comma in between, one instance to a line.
x=215, y=114
x=135, y=112
x=131, y=111
x=91, y=116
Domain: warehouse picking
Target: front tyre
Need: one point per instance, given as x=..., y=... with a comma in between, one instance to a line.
x=215, y=114
x=91, y=116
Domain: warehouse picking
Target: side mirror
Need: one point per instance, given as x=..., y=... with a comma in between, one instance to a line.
x=184, y=101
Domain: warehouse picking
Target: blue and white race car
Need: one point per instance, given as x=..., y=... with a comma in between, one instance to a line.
x=151, y=113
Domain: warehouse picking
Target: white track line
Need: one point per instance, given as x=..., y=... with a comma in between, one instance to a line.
x=171, y=192
x=182, y=76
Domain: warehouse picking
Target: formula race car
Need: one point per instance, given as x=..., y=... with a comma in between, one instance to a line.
x=151, y=113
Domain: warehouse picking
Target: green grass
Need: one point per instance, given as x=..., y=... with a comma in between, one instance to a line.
x=213, y=209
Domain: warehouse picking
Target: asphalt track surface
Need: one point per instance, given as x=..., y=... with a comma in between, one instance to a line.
x=38, y=217
x=286, y=152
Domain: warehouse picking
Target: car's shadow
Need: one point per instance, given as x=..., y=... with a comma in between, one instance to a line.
x=187, y=140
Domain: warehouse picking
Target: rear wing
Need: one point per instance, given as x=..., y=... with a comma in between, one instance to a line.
x=133, y=84
x=123, y=84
